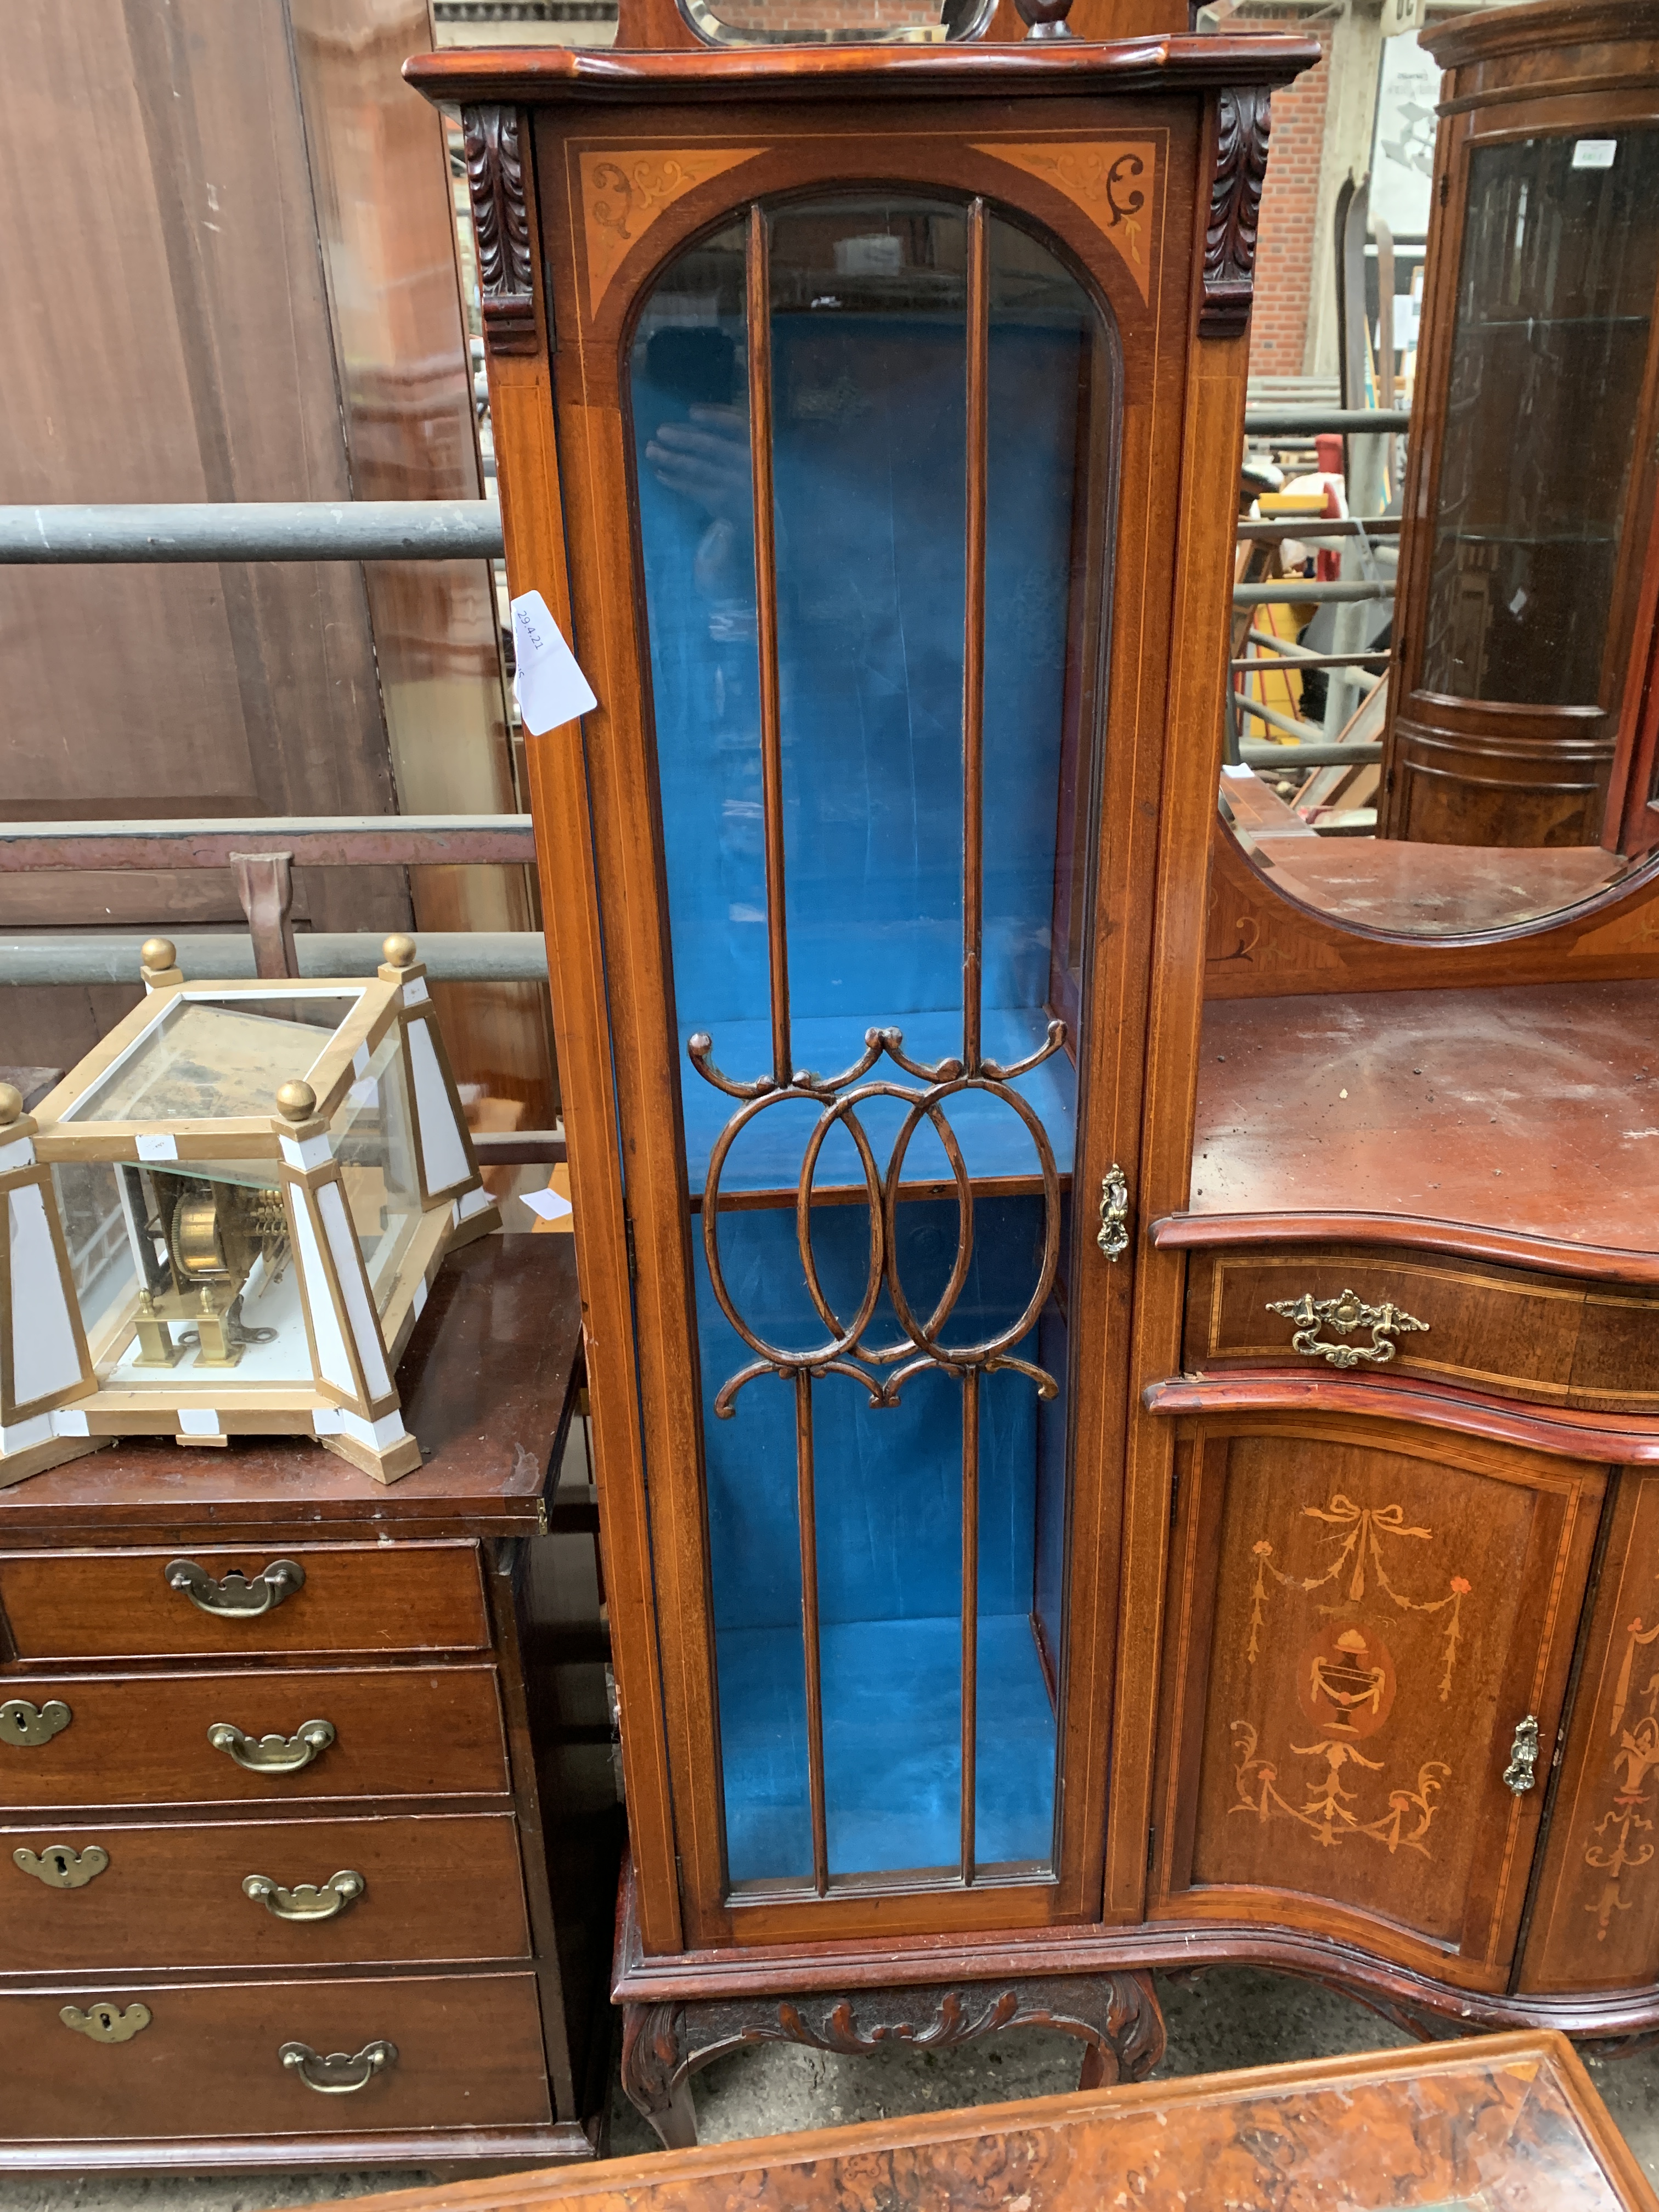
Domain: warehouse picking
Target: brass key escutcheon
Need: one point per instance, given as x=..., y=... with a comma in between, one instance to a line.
x=340, y=2072
x=27, y=1727
x=1114, y=1238
x=60, y=1866
x=232, y=1596
x=307, y=1900
x=104, y=2022
x=1521, y=1772
x=272, y=1754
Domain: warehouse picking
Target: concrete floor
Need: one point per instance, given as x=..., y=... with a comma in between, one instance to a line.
x=1234, y=2016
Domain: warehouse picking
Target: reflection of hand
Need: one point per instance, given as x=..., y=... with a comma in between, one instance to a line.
x=708, y=459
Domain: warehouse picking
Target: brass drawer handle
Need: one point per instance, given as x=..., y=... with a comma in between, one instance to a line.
x=60, y=1866
x=25, y=1726
x=1521, y=1772
x=107, y=2023
x=341, y=2072
x=272, y=1754
x=1114, y=1238
x=307, y=1900
x=1346, y=1314
x=233, y=1597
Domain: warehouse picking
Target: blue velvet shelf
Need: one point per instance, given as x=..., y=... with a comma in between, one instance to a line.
x=892, y=1759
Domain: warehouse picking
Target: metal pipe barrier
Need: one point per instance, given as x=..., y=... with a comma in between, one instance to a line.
x=256, y=530
x=1255, y=752
x=450, y=955
x=320, y=841
x=1309, y=422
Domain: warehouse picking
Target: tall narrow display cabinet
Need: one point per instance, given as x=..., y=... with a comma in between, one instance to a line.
x=1026, y=1567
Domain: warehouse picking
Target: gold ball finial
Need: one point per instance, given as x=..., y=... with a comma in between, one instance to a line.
x=296, y=1101
x=399, y=951
x=11, y=1105
x=159, y=953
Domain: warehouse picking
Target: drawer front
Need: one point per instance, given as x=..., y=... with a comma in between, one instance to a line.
x=469, y=2054
x=1550, y=1339
x=347, y=1597
x=430, y=1889
x=143, y=1740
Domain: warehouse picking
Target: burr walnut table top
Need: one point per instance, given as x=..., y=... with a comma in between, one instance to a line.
x=1499, y=2124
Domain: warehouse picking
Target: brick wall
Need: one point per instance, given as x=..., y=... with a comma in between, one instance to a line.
x=1286, y=256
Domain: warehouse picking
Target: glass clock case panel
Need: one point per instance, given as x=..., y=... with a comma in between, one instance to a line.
x=859, y=425
x=1554, y=307
x=373, y=1138
x=206, y=1059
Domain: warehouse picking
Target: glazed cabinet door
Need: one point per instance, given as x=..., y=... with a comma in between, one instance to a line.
x=1371, y=1626
x=875, y=969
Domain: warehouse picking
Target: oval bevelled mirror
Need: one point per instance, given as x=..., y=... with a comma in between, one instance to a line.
x=1504, y=781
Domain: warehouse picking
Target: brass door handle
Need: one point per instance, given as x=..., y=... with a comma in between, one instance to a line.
x=307, y=1900
x=341, y=2072
x=1521, y=1772
x=1114, y=1238
x=27, y=1727
x=233, y=1597
x=272, y=1754
x=1345, y=1315
x=60, y=1866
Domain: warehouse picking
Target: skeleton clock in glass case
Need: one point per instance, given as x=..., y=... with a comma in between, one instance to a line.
x=869, y=415
x=225, y=1220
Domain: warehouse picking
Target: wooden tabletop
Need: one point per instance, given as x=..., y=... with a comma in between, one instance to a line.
x=1533, y=1109
x=486, y=1385
x=1509, y=2120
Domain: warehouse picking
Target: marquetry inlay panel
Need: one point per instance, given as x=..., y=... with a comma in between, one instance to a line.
x=624, y=190
x=1111, y=181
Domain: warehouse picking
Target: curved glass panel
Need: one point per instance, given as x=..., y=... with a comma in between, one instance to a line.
x=1431, y=818
x=876, y=928
x=1554, y=300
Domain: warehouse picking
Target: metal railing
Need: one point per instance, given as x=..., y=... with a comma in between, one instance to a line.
x=256, y=530
x=262, y=852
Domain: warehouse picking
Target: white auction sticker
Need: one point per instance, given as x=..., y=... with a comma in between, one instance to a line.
x=549, y=686
x=551, y=1204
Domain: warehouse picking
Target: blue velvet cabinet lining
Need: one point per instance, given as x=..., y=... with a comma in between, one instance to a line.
x=843, y=1638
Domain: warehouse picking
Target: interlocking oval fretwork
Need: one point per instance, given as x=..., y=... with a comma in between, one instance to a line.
x=919, y=1348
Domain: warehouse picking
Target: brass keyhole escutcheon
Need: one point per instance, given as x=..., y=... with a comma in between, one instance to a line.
x=1113, y=1236
x=104, y=2022
x=60, y=1866
x=26, y=1727
x=1521, y=1772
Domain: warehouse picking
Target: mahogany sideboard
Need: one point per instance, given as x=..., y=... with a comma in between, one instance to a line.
x=299, y=1864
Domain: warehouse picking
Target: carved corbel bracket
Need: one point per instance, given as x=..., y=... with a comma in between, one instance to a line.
x=501, y=226
x=1230, y=240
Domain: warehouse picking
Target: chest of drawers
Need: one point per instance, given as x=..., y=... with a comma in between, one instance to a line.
x=296, y=1859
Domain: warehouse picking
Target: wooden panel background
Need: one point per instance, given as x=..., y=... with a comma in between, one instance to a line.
x=170, y=339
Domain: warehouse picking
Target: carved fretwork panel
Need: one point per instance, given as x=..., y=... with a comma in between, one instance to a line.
x=1361, y=1633
x=1114, y=2017
x=1596, y=1921
x=1230, y=240
x=501, y=224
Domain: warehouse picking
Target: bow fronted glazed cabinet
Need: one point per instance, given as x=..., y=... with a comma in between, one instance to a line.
x=1027, y=1567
